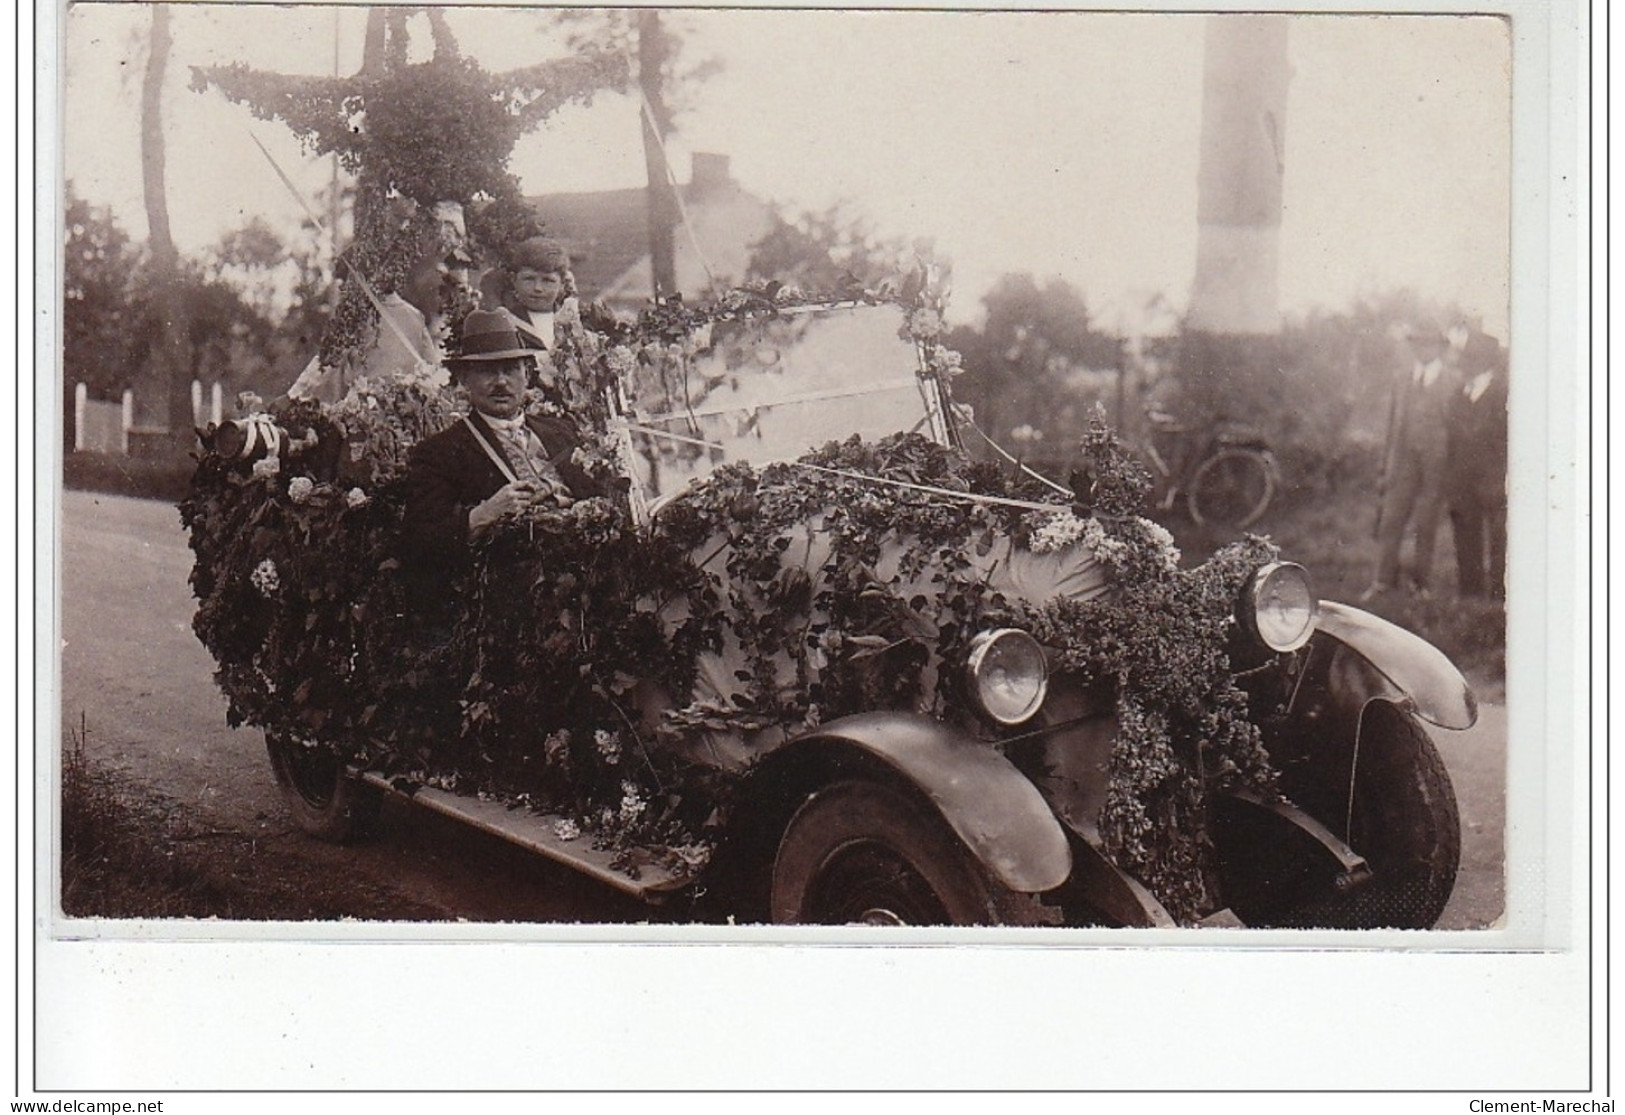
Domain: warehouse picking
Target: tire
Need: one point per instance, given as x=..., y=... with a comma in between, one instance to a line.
x=1231, y=489
x=1404, y=821
x=861, y=853
x=324, y=800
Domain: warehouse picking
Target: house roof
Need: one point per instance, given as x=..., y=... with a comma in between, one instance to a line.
x=607, y=234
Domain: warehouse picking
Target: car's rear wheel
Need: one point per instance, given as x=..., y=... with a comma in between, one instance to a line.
x=862, y=853
x=1232, y=489
x=1403, y=819
x=323, y=798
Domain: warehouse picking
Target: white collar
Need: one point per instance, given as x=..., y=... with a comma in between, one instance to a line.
x=514, y=423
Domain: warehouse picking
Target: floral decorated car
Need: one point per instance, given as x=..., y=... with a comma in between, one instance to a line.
x=816, y=664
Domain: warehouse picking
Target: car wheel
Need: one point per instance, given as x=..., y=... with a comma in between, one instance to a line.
x=325, y=801
x=1404, y=821
x=1231, y=489
x=861, y=853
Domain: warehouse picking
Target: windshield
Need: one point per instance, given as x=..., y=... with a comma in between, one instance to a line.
x=770, y=389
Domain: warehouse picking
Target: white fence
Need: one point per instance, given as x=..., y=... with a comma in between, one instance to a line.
x=103, y=427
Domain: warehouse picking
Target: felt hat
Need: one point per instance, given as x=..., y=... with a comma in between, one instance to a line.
x=488, y=335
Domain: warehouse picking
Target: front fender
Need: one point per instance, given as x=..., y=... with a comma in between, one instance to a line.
x=992, y=807
x=1409, y=670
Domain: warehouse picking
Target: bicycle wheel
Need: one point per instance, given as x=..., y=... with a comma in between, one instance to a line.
x=1232, y=488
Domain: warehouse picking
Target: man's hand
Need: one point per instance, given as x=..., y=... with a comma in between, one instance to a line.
x=508, y=501
x=516, y=499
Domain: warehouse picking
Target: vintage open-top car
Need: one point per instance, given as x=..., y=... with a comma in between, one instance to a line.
x=813, y=663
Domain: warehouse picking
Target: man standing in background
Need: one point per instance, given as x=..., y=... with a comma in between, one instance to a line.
x=1413, y=471
x=1476, y=468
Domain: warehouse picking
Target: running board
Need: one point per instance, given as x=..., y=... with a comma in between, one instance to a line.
x=536, y=832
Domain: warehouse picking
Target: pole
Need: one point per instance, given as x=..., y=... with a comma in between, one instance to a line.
x=333, y=290
x=656, y=121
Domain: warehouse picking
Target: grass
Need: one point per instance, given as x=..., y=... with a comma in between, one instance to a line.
x=111, y=866
x=130, y=853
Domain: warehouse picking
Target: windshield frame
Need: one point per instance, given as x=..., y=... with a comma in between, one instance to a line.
x=629, y=424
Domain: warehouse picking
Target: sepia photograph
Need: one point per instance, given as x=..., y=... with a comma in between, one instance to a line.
x=793, y=475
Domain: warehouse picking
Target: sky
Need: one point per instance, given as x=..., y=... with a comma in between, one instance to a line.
x=1055, y=143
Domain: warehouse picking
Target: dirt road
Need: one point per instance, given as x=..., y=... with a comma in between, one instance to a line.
x=140, y=683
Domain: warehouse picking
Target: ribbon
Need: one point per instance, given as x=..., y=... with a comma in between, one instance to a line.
x=490, y=451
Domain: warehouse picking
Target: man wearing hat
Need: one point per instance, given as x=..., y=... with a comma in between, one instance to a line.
x=496, y=463
x=1476, y=467
x=1413, y=469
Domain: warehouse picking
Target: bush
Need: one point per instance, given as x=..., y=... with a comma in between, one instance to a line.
x=167, y=479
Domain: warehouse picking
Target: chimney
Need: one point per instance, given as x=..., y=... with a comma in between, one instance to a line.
x=709, y=172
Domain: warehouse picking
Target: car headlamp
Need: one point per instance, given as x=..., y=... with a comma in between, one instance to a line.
x=1007, y=675
x=1279, y=606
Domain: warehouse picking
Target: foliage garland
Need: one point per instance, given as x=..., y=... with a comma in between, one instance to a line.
x=418, y=135
x=567, y=628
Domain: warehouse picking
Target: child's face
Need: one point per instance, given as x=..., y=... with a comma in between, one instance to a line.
x=537, y=290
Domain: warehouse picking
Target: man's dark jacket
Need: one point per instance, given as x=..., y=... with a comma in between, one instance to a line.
x=449, y=474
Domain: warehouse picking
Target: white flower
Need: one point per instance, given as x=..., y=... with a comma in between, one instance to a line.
x=300, y=488
x=566, y=829
x=355, y=497
x=266, y=578
x=609, y=745
x=1060, y=531
x=632, y=803
x=693, y=855
x=1167, y=552
x=267, y=466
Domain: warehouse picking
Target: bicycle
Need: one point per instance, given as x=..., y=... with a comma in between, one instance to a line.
x=1225, y=470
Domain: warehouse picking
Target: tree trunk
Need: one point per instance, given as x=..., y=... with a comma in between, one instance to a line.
x=652, y=51
x=163, y=399
x=372, y=46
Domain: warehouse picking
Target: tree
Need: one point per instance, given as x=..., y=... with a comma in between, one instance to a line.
x=656, y=39
x=164, y=400
x=98, y=311
x=414, y=135
x=278, y=293
x=99, y=262
x=826, y=253
x=1036, y=365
